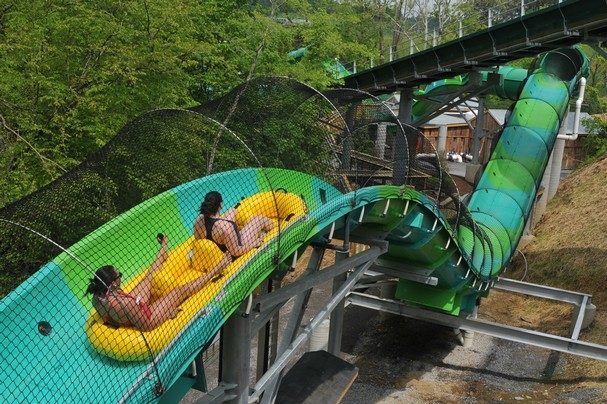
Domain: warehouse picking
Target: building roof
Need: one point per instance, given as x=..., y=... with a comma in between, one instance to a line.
x=446, y=119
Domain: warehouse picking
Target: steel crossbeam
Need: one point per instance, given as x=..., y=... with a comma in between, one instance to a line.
x=516, y=334
x=280, y=363
x=564, y=24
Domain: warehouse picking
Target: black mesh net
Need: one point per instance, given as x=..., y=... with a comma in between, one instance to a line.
x=173, y=223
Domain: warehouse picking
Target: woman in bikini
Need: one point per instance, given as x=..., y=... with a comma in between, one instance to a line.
x=136, y=308
x=224, y=231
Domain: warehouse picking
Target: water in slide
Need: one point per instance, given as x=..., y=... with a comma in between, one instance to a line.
x=57, y=362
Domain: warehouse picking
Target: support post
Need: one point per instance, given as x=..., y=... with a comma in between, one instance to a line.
x=442, y=141
x=404, y=143
x=293, y=324
x=263, y=340
x=236, y=355
x=200, y=383
x=557, y=158
x=543, y=201
x=347, y=138
x=337, y=315
x=273, y=326
x=478, y=130
x=380, y=140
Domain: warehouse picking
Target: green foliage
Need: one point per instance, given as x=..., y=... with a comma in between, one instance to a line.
x=73, y=73
x=595, y=143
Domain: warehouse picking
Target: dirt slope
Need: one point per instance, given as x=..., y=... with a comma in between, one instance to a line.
x=569, y=252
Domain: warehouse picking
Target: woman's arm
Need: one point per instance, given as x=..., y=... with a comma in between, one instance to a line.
x=230, y=214
x=199, y=230
x=161, y=256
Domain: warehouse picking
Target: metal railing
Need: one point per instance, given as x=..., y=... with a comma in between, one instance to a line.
x=421, y=35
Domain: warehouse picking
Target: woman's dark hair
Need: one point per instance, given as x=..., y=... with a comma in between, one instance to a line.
x=211, y=203
x=104, y=276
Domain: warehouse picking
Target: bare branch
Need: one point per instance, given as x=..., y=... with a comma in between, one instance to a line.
x=24, y=140
x=252, y=69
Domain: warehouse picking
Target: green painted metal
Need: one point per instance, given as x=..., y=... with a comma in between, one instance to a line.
x=435, y=95
x=504, y=195
x=445, y=300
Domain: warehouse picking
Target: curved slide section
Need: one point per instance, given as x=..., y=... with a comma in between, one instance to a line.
x=503, y=198
x=438, y=93
x=463, y=262
x=62, y=365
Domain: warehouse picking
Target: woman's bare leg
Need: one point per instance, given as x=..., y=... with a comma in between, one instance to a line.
x=251, y=231
x=166, y=307
x=144, y=287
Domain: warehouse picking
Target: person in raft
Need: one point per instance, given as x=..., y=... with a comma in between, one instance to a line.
x=136, y=308
x=224, y=231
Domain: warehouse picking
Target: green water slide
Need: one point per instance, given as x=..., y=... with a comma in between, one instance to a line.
x=504, y=195
x=438, y=93
x=332, y=66
x=503, y=198
x=61, y=365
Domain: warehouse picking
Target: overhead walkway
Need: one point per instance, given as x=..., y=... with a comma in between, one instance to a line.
x=565, y=24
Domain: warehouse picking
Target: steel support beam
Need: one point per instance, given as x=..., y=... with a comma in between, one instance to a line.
x=404, y=274
x=220, y=394
x=337, y=315
x=274, y=372
x=347, y=141
x=263, y=336
x=478, y=130
x=294, y=322
x=404, y=149
x=199, y=374
x=516, y=334
x=561, y=25
x=236, y=355
x=268, y=302
x=545, y=292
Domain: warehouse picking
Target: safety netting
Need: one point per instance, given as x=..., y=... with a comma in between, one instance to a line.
x=119, y=272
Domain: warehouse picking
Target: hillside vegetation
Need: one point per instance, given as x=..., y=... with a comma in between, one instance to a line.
x=570, y=252
x=570, y=248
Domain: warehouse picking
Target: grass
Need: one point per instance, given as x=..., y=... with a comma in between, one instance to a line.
x=570, y=252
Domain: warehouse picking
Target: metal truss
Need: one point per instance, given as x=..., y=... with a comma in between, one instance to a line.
x=352, y=277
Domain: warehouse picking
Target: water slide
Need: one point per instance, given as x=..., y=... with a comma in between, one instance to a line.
x=332, y=66
x=44, y=348
x=440, y=92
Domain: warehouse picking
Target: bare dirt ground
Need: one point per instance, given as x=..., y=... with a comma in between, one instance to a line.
x=404, y=360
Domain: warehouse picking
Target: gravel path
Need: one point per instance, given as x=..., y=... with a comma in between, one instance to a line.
x=403, y=360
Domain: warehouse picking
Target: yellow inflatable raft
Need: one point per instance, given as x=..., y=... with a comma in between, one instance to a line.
x=186, y=262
